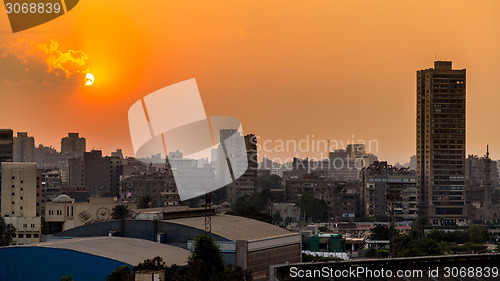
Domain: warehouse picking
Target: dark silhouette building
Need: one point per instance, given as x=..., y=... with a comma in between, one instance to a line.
x=100, y=174
x=6, y=148
x=73, y=145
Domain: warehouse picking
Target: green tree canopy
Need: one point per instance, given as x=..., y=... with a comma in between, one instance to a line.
x=419, y=225
x=477, y=234
x=268, y=182
x=122, y=273
x=146, y=201
x=6, y=233
x=206, y=259
x=156, y=263
x=253, y=206
x=314, y=208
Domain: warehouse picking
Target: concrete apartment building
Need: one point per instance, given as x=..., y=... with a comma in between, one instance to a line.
x=22, y=200
x=345, y=164
x=341, y=197
x=482, y=196
x=441, y=143
x=100, y=174
x=245, y=184
x=481, y=171
x=73, y=146
x=24, y=148
x=51, y=186
x=388, y=189
x=6, y=145
x=159, y=185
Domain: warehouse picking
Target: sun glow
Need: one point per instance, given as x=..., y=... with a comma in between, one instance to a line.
x=89, y=79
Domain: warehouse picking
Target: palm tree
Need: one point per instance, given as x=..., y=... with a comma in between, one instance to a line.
x=145, y=202
x=120, y=212
x=6, y=233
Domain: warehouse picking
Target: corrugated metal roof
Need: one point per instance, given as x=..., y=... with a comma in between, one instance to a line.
x=127, y=250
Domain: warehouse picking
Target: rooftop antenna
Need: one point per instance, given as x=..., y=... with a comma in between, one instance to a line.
x=487, y=151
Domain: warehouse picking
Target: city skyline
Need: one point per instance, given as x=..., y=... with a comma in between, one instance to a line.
x=343, y=70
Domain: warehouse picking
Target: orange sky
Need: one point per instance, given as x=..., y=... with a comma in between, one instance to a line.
x=332, y=69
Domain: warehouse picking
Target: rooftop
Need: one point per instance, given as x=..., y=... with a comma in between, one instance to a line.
x=128, y=250
x=234, y=227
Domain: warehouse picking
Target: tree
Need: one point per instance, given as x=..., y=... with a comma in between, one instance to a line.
x=419, y=225
x=252, y=206
x=268, y=182
x=156, y=263
x=67, y=278
x=121, y=273
x=236, y=274
x=120, y=212
x=7, y=231
x=380, y=232
x=314, y=208
x=146, y=201
x=205, y=263
x=206, y=260
x=477, y=234
x=277, y=219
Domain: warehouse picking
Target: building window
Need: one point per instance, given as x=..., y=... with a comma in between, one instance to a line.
x=20, y=235
x=35, y=235
x=28, y=235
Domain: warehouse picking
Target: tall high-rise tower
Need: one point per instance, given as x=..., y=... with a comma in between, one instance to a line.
x=441, y=143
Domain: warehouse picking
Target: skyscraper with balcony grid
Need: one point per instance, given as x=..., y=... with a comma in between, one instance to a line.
x=441, y=143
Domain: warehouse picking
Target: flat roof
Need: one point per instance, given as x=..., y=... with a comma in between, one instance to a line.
x=234, y=227
x=128, y=250
x=168, y=209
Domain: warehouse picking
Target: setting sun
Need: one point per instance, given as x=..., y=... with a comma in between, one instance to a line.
x=89, y=79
